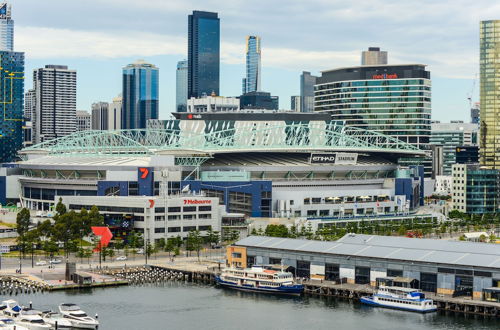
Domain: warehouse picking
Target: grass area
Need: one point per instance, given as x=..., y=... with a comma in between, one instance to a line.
x=38, y=253
x=6, y=224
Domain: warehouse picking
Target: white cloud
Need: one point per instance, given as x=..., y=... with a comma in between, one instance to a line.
x=52, y=43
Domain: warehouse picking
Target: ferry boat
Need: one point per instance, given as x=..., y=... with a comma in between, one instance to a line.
x=400, y=298
x=259, y=279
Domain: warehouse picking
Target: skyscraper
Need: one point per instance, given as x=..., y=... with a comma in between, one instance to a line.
x=489, y=74
x=140, y=94
x=29, y=103
x=100, y=116
x=251, y=83
x=6, y=28
x=295, y=103
x=115, y=113
x=203, y=54
x=307, y=82
x=373, y=56
x=83, y=120
x=181, y=88
x=12, y=95
x=55, y=112
x=401, y=110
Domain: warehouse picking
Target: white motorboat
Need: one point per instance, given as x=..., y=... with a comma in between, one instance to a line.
x=10, y=308
x=32, y=320
x=53, y=317
x=78, y=318
x=407, y=299
x=10, y=324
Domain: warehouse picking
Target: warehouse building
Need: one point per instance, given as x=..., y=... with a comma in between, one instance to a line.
x=443, y=267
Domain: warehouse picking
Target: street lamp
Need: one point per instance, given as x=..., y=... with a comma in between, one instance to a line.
x=32, y=252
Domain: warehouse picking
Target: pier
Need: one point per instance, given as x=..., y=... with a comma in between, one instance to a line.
x=204, y=272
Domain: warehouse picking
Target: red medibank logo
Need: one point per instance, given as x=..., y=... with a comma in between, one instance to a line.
x=197, y=201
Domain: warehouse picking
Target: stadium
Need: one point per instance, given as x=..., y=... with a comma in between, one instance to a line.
x=312, y=168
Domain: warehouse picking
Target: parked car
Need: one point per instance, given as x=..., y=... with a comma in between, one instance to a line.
x=41, y=263
x=140, y=251
x=121, y=258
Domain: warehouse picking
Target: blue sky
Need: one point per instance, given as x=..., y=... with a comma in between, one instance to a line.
x=99, y=37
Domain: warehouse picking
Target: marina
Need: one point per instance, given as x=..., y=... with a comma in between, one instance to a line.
x=184, y=305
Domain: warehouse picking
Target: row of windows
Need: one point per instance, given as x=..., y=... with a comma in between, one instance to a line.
x=177, y=209
x=118, y=209
x=186, y=229
x=381, y=82
x=371, y=105
x=331, y=90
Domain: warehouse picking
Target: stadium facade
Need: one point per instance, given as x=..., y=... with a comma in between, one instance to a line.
x=307, y=168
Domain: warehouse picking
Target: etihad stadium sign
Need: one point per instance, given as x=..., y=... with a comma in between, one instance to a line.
x=339, y=158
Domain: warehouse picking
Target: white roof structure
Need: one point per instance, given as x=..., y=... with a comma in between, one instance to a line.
x=390, y=248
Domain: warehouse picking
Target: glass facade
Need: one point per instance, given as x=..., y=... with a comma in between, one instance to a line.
x=203, y=54
x=396, y=107
x=181, y=82
x=253, y=65
x=449, y=141
x=12, y=95
x=482, y=191
x=6, y=28
x=140, y=95
x=307, y=82
x=489, y=70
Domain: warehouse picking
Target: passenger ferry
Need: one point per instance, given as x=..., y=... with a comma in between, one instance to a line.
x=259, y=279
x=400, y=298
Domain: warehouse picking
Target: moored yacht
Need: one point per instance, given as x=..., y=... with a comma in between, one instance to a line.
x=77, y=317
x=52, y=318
x=32, y=320
x=10, y=324
x=259, y=279
x=400, y=298
x=10, y=308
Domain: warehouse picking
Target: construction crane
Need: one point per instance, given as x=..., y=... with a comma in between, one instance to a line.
x=469, y=96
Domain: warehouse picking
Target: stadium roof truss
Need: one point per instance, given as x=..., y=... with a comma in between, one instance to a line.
x=263, y=137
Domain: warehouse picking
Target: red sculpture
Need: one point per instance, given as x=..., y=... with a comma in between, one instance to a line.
x=105, y=234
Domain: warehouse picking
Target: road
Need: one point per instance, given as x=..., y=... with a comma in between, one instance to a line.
x=10, y=265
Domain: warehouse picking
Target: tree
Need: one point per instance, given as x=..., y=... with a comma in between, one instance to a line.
x=170, y=246
x=213, y=237
x=23, y=223
x=194, y=242
x=493, y=238
x=60, y=207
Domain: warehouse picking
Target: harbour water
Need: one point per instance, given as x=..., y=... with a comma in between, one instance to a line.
x=189, y=306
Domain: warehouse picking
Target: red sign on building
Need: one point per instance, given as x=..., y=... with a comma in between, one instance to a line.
x=196, y=201
x=385, y=76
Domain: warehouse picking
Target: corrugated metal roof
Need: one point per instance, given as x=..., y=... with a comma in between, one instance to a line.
x=388, y=247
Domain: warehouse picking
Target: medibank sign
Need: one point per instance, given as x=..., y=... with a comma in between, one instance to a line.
x=385, y=76
x=197, y=201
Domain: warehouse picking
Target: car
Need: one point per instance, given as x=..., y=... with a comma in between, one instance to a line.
x=121, y=258
x=55, y=261
x=41, y=263
x=140, y=251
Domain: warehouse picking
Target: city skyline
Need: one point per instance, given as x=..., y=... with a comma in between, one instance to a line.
x=454, y=68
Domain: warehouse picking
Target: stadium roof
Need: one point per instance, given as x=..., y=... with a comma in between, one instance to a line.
x=281, y=137
x=389, y=247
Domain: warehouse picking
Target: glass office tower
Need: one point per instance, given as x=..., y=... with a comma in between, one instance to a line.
x=251, y=83
x=6, y=28
x=12, y=101
x=307, y=82
x=203, y=54
x=489, y=69
x=181, y=86
x=140, y=94
x=394, y=100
